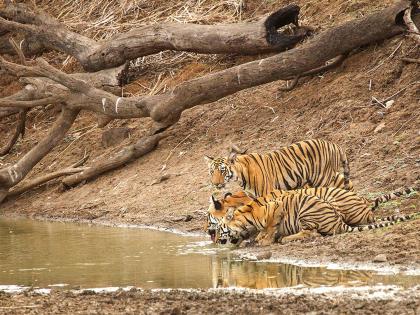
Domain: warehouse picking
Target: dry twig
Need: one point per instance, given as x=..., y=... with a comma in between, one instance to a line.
x=331, y=65
x=410, y=60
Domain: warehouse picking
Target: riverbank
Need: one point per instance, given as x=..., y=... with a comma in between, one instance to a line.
x=169, y=188
x=391, y=250
x=385, y=300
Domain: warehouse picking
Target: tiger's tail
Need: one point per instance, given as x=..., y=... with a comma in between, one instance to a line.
x=346, y=169
x=390, y=221
x=394, y=195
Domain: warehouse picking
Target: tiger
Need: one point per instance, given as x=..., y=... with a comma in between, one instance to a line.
x=354, y=210
x=310, y=163
x=288, y=218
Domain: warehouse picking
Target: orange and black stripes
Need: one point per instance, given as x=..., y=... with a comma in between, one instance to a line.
x=290, y=217
x=391, y=196
x=310, y=163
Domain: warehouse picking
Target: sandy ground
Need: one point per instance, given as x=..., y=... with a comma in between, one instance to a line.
x=336, y=106
x=212, y=302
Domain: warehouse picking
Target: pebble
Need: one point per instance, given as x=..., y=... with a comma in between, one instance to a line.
x=380, y=258
x=379, y=127
x=264, y=255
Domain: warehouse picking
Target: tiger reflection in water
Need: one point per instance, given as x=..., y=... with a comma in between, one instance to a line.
x=253, y=275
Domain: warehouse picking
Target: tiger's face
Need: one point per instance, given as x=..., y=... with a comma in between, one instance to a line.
x=225, y=235
x=234, y=228
x=218, y=208
x=220, y=171
x=211, y=226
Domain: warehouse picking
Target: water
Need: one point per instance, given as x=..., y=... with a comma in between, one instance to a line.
x=45, y=254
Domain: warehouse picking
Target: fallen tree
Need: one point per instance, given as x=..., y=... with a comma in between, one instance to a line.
x=43, y=32
x=77, y=93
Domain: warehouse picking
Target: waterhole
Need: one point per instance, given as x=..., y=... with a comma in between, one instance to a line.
x=45, y=255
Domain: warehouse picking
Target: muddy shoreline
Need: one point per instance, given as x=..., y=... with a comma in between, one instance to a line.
x=388, y=300
x=348, y=251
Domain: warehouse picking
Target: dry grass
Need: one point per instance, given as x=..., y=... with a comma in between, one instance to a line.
x=101, y=19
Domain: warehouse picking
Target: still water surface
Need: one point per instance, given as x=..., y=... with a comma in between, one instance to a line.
x=45, y=254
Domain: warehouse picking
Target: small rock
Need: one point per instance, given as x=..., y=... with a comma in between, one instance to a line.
x=114, y=136
x=264, y=255
x=379, y=127
x=389, y=104
x=380, y=258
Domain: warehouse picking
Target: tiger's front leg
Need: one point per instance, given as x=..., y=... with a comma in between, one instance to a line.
x=300, y=236
x=267, y=238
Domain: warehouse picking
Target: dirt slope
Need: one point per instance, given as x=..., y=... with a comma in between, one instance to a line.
x=336, y=106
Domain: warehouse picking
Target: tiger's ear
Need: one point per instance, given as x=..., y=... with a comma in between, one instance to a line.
x=216, y=203
x=227, y=195
x=209, y=159
x=232, y=157
x=229, y=215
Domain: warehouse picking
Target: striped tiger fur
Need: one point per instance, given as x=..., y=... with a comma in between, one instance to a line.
x=289, y=217
x=354, y=210
x=310, y=163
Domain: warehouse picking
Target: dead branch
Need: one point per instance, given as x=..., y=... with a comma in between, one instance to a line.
x=413, y=30
x=75, y=168
x=311, y=55
x=8, y=111
x=20, y=130
x=13, y=174
x=336, y=62
x=410, y=60
x=242, y=38
x=34, y=103
x=167, y=108
x=126, y=155
x=44, y=179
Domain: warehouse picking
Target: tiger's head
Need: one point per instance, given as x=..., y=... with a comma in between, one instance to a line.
x=218, y=208
x=234, y=228
x=220, y=170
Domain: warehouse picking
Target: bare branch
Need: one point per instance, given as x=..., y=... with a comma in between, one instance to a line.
x=20, y=130
x=126, y=155
x=410, y=60
x=336, y=62
x=13, y=174
x=413, y=30
x=44, y=179
x=243, y=38
x=8, y=111
x=34, y=103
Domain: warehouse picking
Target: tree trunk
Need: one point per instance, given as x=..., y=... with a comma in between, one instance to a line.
x=242, y=38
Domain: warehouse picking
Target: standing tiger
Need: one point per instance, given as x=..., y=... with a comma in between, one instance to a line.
x=310, y=163
x=289, y=217
x=353, y=209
